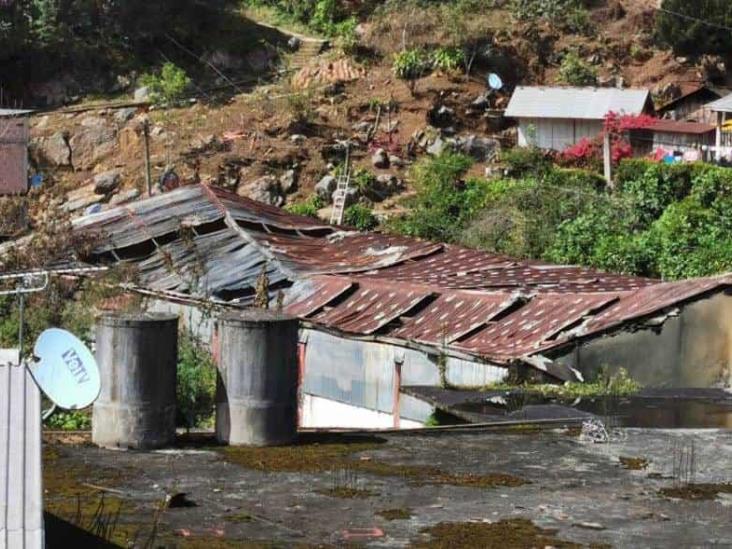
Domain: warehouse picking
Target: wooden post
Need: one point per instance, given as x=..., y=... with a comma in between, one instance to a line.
x=607, y=159
x=148, y=172
x=718, y=140
x=397, y=388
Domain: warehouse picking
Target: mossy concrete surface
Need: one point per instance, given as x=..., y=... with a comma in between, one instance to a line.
x=424, y=490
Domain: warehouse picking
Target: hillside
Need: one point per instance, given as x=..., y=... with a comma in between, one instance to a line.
x=320, y=83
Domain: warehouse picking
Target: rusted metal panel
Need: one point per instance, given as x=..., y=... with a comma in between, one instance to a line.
x=654, y=299
x=14, y=135
x=316, y=294
x=453, y=315
x=388, y=287
x=530, y=328
x=372, y=307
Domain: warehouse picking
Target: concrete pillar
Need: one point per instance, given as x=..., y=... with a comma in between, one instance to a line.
x=256, y=396
x=138, y=357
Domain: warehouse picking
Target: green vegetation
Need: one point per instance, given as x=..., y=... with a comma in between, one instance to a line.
x=618, y=384
x=698, y=29
x=448, y=59
x=576, y=72
x=308, y=207
x=395, y=514
x=361, y=217
x=568, y=15
x=169, y=86
x=38, y=38
x=75, y=420
x=196, y=389
x=317, y=453
x=326, y=17
x=665, y=221
x=411, y=65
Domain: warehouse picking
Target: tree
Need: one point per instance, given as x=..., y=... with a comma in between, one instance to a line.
x=695, y=28
x=576, y=72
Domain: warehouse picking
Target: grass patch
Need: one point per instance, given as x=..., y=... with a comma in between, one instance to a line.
x=497, y=535
x=395, y=514
x=319, y=455
x=697, y=492
x=347, y=492
x=633, y=464
x=618, y=384
x=239, y=518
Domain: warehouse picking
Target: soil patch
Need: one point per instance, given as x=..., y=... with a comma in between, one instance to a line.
x=498, y=535
x=395, y=514
x=697, y=492
x=316, y=455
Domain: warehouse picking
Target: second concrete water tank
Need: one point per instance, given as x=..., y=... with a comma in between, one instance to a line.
x=256, y=401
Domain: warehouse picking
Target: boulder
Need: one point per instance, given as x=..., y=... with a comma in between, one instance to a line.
x=441, y=116
x=288, y=182
x=380, y=159
x=51, y=151
x=142, y=94
x=92, y=144
x=480, y=148
x=265, y=189
x=437, y=147
x=298, y=138
x=396, y=161
x=385, y=186
x=125, y=115
x=483, y=101
x=107, y=182
x=294, y=43
x=124, y=197
x=325, y=187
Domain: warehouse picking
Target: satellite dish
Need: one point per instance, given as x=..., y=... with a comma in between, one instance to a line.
x=494, y=81
x=66, y=371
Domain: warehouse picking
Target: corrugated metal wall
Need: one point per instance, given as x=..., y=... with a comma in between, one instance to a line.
x=556, y=134
x=21, y=495
x=13, y=155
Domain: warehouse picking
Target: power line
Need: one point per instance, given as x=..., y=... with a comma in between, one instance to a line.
x=697, y=19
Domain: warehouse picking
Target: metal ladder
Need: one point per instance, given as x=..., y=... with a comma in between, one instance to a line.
x=341, y=192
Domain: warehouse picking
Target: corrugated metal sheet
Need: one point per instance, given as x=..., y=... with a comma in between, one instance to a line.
x=581, y=103
x=21, y=495
x=673, y=126
x=375, y=285
x=14, y=136
x=372, y=306
x=722, y=105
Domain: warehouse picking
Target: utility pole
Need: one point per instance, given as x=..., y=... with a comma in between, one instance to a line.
x=148, y=172
x=607, y=159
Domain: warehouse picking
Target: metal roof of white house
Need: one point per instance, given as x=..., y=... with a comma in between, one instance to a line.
x=582, y=103
x=722, y=105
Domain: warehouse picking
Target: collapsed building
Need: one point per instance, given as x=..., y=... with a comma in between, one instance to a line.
x=379, y=312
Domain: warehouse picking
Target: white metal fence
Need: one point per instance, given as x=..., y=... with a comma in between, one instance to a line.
x=21, y=495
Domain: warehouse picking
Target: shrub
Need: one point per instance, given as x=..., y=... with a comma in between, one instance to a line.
x=308, y=207
x=411, y=65
x=196, y=388
x=361, y=217
x=522, y=161
x=448, y=59
x=74, y=420
x=576, y=72
x=168, y=87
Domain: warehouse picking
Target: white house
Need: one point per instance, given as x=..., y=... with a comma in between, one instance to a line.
x=558, y=117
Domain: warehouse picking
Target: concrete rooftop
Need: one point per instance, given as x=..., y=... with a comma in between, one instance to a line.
x=329, y=491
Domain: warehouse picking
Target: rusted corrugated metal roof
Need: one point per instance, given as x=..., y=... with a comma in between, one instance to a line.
x=207, y=243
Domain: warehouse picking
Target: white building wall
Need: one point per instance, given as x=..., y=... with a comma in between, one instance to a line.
x=324, y=413
x=21, y=494
x=554, y=133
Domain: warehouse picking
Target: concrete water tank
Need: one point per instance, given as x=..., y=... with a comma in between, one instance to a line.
x=256, y=400
x=137, y=355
